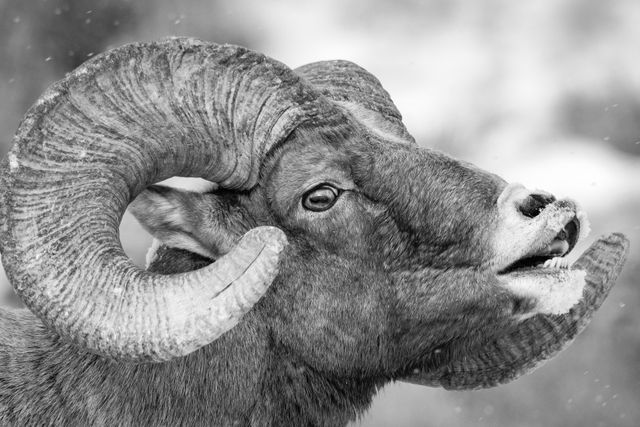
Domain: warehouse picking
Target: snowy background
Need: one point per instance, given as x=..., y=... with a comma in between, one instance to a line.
x=546, y=93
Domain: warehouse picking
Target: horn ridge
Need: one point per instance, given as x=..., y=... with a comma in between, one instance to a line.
x=118, y=123
x=539, y=338
x=361, y=94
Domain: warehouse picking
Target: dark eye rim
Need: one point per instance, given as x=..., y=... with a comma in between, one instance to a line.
x=325, y=185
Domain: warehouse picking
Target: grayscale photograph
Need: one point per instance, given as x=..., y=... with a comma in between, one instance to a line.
x=358, y=213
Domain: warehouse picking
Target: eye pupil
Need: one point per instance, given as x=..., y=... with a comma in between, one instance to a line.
x=320, y=198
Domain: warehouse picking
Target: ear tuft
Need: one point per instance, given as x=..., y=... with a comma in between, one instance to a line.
x=158, y=207
x=172, y=216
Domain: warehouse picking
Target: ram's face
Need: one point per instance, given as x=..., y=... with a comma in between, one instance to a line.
x=386, y=241
x=396, y=207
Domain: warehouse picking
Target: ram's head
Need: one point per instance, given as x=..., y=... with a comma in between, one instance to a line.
x=365, y=254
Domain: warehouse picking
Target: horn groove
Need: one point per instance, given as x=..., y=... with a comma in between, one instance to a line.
x=120, y=122
x=360, y=93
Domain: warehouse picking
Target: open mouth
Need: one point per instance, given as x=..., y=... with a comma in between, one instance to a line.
x=552, y=255
x=544, y=274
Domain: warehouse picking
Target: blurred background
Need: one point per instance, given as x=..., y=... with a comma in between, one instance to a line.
x=545, y=93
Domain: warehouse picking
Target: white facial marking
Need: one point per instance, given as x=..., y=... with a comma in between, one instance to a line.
x=555, y=293
x=519, y=236
x=585, y=226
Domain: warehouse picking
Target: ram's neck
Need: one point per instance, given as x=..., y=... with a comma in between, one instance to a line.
x=241, y=379
x=262, y=381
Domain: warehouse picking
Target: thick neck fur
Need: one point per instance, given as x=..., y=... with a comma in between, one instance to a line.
x=243, y=378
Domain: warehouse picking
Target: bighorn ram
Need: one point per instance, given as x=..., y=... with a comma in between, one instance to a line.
x=345, y=255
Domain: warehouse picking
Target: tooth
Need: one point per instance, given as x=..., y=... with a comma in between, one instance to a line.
x=556, y=262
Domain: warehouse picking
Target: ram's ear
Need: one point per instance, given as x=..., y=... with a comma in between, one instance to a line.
x=204, y=223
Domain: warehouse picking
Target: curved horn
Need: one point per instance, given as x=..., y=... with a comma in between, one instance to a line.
x=360, y=93
x=538, y=338
x=128, y=118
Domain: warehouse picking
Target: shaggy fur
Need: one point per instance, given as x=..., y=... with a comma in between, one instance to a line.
x=393, y=278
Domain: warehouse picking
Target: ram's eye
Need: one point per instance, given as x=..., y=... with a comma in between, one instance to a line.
x=320, y=198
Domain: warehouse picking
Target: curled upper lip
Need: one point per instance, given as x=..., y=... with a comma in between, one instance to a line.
x=565, y=240
x=552, y=233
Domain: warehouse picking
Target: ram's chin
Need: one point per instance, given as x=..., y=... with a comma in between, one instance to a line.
x=555, y=289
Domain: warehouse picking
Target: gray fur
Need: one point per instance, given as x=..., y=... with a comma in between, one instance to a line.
x=393, y=278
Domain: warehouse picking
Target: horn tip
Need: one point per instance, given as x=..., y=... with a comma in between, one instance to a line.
x=617, y=238
x=616, y=244
x=270, y=237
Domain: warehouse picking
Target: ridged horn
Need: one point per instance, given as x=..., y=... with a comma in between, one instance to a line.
x=361, y=94
x=538, y=338
x=130, y=117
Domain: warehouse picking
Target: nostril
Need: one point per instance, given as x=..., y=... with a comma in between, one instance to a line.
x=534, y=204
